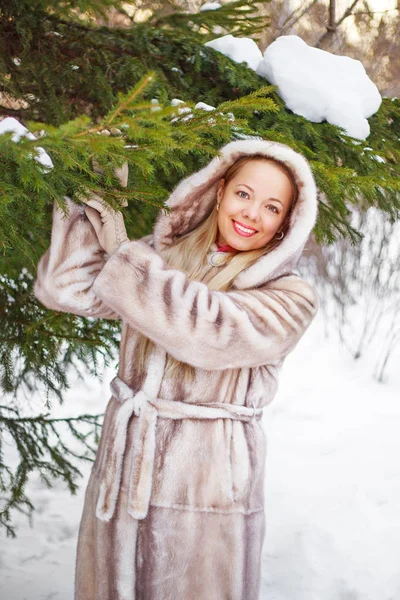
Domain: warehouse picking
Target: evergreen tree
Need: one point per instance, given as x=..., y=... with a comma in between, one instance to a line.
x=68, y=80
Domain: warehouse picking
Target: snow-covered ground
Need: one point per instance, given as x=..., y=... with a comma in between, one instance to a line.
x=332, y=487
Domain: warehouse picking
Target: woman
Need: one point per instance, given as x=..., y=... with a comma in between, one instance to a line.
x=210, y=307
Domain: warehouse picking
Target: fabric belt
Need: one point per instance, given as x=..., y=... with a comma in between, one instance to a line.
x=147, y=410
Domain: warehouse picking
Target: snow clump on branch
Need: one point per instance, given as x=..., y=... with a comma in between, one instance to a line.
x=313, y=83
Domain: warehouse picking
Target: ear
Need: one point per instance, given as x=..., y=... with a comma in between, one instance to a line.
x=220, y=189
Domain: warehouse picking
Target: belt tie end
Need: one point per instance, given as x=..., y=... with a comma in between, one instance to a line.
x=110, y=484
x=141, y=471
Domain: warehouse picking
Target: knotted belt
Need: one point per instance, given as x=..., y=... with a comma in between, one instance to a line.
x=147, y=410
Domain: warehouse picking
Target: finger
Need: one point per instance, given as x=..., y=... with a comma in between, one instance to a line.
x=96, y=167
x=121, y=174
x=96, y=202
x=95, y=219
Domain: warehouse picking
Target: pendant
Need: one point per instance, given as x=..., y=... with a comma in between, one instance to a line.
x=217, y=259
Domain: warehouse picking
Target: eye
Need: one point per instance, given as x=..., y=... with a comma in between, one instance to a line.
x=275, y=209
x=242, y=192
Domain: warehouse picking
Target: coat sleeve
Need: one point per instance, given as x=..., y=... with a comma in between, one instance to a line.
x=205, y=328
x=68, y=268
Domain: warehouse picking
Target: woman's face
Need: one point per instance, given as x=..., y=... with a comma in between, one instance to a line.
x=257, y=198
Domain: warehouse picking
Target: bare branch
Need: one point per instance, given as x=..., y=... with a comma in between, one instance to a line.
x=332, y=25
x=332, y=16
x=347, y=13
x=377, y=12
x=289, y=24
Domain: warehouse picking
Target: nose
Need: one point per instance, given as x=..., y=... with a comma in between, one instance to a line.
x=251, y=212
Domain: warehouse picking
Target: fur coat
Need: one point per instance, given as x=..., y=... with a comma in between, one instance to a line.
x=174, y=507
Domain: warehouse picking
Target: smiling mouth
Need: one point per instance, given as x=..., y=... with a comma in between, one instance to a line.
x=242, y=230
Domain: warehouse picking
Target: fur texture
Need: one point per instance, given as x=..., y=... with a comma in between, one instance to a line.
x=174, y=504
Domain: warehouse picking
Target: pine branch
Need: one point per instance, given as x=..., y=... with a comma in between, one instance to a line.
x=239, y=18
x=40, y=446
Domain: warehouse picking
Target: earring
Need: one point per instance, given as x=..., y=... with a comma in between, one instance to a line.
x=282, y=236
x=217, y=205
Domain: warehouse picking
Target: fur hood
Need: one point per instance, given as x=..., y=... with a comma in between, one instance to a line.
x=194, y=197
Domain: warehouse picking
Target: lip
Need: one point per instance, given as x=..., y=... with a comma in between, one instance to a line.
x=242, y=232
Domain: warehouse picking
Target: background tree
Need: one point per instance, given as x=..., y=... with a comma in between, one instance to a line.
x=67, y=79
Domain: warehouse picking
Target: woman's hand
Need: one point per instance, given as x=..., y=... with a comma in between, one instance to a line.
x=108, y=223
x=120, y=173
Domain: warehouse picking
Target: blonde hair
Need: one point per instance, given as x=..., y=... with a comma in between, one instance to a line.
x=189, y=254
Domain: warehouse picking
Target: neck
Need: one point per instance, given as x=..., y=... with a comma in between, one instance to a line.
x=225, y=247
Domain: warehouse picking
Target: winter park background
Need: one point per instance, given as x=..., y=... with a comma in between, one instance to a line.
x=332, y=486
